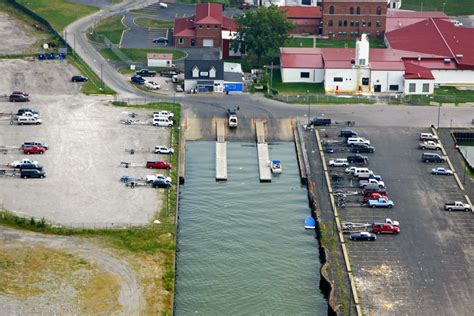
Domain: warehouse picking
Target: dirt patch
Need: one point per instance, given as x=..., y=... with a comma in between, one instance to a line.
x=16, y=38
x=64, y=275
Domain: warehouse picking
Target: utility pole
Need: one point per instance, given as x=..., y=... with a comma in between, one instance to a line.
x=74, y=48
x=309, y=106
x=439, y=111
x=101, y=76
x=271, y=80
x=466, y=165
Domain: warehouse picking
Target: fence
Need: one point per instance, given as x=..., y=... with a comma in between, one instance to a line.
x=142, y=101
x=323, y=98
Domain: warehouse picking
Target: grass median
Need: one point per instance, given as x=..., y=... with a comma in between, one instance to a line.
x=58, y=13
x=112, y=28
x=94, y=85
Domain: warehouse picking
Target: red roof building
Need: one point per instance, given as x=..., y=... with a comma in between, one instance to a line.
x=204, y=29
x=306, y=19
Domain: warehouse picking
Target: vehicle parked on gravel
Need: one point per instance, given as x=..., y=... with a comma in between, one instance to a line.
x=18, y=163
x=385, y=229
x=79, y=79
x=159, y=164
x=138, y=80
x=151, y=85
x=19, y=98
x=338, y=162
x=430, y=145
x=28, y=120
x=30, y=166
x=457, y=206
x=380, y=203
x=373, y=182
x=152, y=177
x=429, y=157
x=146, y=73
x=179, y=88
x=158, y=183
x=442, y=171
x=367, y=191
x=320, y=121
x=32, y=173
x=363, y=236
x=33, y=143
x=387, y=221
x=166, y=114
x=428, y=136
x=347, y=133
x=359, y=159
x=162, y=121
x=21, y=93
x=164, y=150
x=27, y=112
x=34, y=150
x=363, y=148
x=352, y=141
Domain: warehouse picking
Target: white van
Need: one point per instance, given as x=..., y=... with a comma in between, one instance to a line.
x=362, y=172
x=28, y=120
x=163, y=5
x=162, y=121
x=351, y=141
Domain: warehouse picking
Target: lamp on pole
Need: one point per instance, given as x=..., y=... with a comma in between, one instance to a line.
x=444, y=3
x=309, y=105
x=439, y=112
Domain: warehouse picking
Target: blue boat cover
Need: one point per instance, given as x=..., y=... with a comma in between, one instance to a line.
x=309, y=222
x=276, y=161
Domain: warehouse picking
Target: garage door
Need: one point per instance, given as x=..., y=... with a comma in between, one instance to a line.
x=208, y=43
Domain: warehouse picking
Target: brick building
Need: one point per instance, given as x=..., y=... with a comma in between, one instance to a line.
x=205, y=28
x=348, y=19
x=307, y=20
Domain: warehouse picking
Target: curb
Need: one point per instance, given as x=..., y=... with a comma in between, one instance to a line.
x=345, y=253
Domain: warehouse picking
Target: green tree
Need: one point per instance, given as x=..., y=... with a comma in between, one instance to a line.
x=262, y=32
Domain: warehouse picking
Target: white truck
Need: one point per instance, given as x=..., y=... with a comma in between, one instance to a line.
x=338, y=162
x=371, y=183
x=430, y=145
x=232, y=118
x=428, y=136
x=457, y=206
x=18, y=163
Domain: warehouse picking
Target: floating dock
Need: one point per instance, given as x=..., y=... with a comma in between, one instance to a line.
x=262, y=152
x=221, y=151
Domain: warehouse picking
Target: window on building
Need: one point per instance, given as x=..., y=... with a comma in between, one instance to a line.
x=330, y=23
x=358, y=10
x=345, y=23
x=208, y=26
x=393, y=87
x=379, y=10
x=412, y=87
x=195, y=72
x=378, y=24
x=306, y=2
x=215, y=26
x=357, y=23
x=426, y=87
x=351, y=10
x=337, y=79
x=352, y=23
x=363, y=23
x=212, y=72
x=365, y=81
x=200, y=26
x=339, y=23
x=304, y=74
x=369, y=23
x=180, y=40
x=331, y=10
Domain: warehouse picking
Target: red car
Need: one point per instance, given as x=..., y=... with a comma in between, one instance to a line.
x=159, y=164
x=385, y=229
x=374, y=196
x=34, y=150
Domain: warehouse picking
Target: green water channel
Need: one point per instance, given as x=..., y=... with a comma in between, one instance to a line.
x=242, y=248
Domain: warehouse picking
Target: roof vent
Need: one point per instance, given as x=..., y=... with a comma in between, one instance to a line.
x=419, y=58
x=447, y=60
x=459, y=56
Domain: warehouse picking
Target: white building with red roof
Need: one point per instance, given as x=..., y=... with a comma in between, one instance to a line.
x=423, y=51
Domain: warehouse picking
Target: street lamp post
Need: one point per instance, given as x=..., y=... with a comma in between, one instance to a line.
x=309, y=105
x=444, y=3
x=101, y=76
x=439, y=112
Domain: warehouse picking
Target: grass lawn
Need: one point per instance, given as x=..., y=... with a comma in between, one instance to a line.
x=452, y=7
x=111, y=27
x=325, y=43
x=153, y=23
x=93, y=85
x=138, y=55
x=295, y=88
x=299, y=42
x=443, y=94
x=58, y=13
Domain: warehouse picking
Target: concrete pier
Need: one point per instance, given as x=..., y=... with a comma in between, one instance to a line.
x=221, y=151
x=262, y=152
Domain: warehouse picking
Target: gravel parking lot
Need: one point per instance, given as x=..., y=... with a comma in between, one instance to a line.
x=87, y=143
x=427, y=268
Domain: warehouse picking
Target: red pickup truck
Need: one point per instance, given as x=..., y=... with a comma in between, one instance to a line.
x=159, y=164
x=385, y=228
x=34, y=150
x=374, y=196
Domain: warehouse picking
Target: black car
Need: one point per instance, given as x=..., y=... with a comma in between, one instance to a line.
x=79, y=79
x=348, y=133
x=32, y=173
x=160, y=40
x=146, y=73
x=320, y=121
x=160, y=183
x=24, y=110
x=363, y=148
x=168, y=73
x=138, y=79
x=431, y=157
x=358, y=159
x=19, y=98
x=30, y=166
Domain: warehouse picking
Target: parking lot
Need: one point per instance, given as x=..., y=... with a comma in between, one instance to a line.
x=427, y=268
x=87, y=145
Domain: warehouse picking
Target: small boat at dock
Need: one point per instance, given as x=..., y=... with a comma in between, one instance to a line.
x=275, y=166
x=309, y=223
